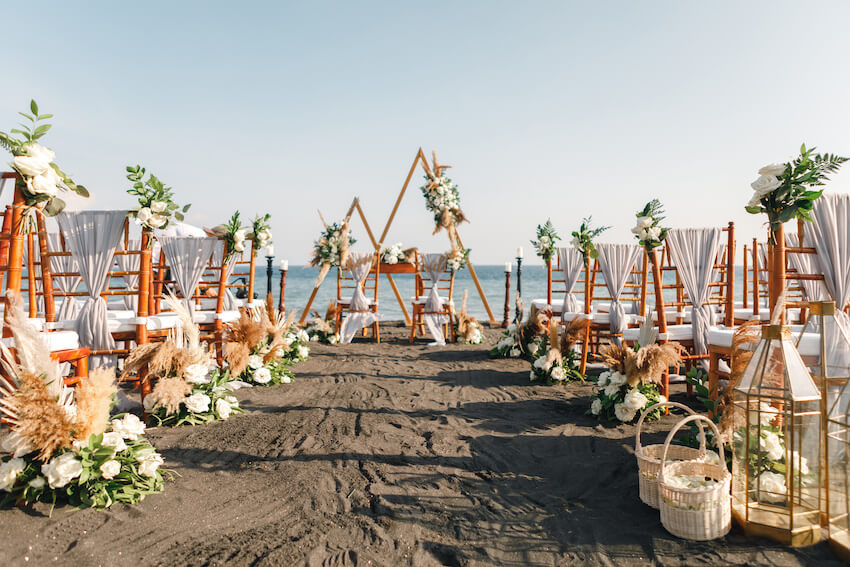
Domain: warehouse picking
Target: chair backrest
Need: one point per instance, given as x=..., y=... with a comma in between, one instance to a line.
x=556, y=284
x=445, y=283
x=634, y=290
x=802, y=273
x=345, y=282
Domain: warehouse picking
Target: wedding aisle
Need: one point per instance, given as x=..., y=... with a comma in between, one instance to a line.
x=390, y=454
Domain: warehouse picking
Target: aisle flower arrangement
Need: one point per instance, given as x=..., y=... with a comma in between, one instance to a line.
x=323, y=330
x=189, y=389
x=783, y=191
x=261, y=232
x=41, y=179
x=556, y=361
x=467, y=328
x=547, y=237
x=458, y=259
x=648, y=230
x=156, y=208
x=523, y=340
x=61, y=444
x=583, y=238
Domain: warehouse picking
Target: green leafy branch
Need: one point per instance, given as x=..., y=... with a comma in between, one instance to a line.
x=583, y=238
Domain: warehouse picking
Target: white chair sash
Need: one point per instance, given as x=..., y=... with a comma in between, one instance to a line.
x=616, y=262
x=572, y=263
x=92, y=237
x=359, y=264
x=70, y=307
x=694, y=252
x=433, y=266
x=831, y=236
x=187, y=256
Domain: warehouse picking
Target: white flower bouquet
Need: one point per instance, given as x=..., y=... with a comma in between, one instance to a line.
x=156, y=201
x=648, y=230
x=41, y=179
x=393, y=254
x=261, y=232
x=442, y=199
x=544, y=246
x=458, y=259
x=616, y=400
x=209, y=398
x=548, y=369
x=328, y=249
x=523, y=340
x=583, y=238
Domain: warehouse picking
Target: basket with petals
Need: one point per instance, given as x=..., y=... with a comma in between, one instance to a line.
x=695, y=497
x=649, y=456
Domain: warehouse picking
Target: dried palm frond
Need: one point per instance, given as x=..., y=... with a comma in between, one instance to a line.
x=198, y=353
x=536, y=324
x=331, y=312
x=343, y=242
x=237, y=354
x=140, y=357
x=246, y=331
x=94, y=398
x=37, y=416
x=744, y=340
x=651, y=362
x=466, y=324
x=575, y=332
x=33, y=353
x=169, y=393
x=410, y=254
x=554, y=356
x=615, y=356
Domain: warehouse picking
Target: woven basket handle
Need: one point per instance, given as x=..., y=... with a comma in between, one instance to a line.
x=678, y=426
x=648, y=410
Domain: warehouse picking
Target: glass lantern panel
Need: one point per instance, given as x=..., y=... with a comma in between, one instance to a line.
x=837, y=488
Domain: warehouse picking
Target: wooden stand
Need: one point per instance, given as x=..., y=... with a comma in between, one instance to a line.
x=507, y=299
x=282, y=304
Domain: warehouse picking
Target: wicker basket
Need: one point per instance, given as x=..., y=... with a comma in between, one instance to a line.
x=649, y=457
x=700, y=513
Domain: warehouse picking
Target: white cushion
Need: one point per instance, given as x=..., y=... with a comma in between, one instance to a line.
x=57, y=340
x=674, y=333
x=543, y=305
x=210, y=316
x=120, y=313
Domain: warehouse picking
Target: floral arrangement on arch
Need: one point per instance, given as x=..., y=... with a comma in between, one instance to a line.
x=156, y=201
x=260, y=347
x=523, y=340
x=467, y=328
x=189, y=389
x=62, y=445
x=331, y=249
x=556, y=361
x=585, y=235
x=648, y=229
x=783, y=190
x=41, y=179
x=457, y=259
x=323, y=330
x=544, y=246
x=261, y=232
x=442, y=199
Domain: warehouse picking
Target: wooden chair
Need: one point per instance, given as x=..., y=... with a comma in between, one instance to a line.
x=445, y=287
x=345, y=285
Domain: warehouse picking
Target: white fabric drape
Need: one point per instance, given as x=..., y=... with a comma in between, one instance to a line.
x=572, y=263
x=831, y=237
x=616, y=262
x=359, y=264
x=92, y=237
x=433, y=266
x=130, y=263
x=187, y=256
x=813, y=290
x=230, y=301
x=694, y=252
x=69, y=308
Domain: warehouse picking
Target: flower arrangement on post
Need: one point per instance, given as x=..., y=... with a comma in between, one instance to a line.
x=544, y=246
x=156, y=201
x=331, y=249
x=648, y=230
x=782, y=191
x=458, y=259
x=261, y=232
x=234, y=236
x=583, y=238
x=62, y=445
x=41, y=179
x=523, y=340
x=555, y=361
x=467, y=328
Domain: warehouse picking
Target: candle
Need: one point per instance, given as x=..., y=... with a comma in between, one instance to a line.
x=284, y=265
x=270, y=250
x=519, y=252
x=508, y=267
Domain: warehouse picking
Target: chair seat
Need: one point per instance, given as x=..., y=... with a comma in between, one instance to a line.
x=423, y=300
x=809, y=343
x=543, y=305
x=158, y=322
x=343, y=303
x=57, y=340
x=674, y=333
x=203, y=317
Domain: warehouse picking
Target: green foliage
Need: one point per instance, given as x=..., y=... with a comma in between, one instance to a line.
x=583, y=238
x=649, y=232
x=546, y=239
x=216, y=389
x=156, y=200
x=326, y=250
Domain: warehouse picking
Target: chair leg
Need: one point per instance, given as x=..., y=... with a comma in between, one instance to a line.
x=585, y=344
x=413, y=324
x=713, y=377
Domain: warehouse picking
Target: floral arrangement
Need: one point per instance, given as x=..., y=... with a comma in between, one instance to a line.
x=583, y=238
x=631, y=383
x=394, y=254
x=331, y=249
x=323, y=330
x=457, y=259
x=234, y=235
x=555, y=361
x=523, y=340
x=62, y=445
x=260, y=348
x=186, y=391
x=442, y=199
x=546, y=239
x=41, y=179
x=261, y=232
x=156, y=201
x=467, y=328
x=648, y=230
x=783, y=190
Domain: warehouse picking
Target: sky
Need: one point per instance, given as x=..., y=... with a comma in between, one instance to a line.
x=556, y=110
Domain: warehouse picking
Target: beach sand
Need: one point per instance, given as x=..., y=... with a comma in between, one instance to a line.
x=391, y=454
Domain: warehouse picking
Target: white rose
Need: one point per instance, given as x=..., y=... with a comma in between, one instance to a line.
x=289, y=338
x=157, y=221
x=661, y=399
x=264, y=235
x=603, y=379
x=222, y=408
x=239, y=246
x=38, y=151
x=623, y=413
x=158, y=206
x=642, y=224
x=45, y=184
x=196, y=374
x=772, y=445
x=611, y=390
x=617, y=378
x=558, y=374
x=149, y=464
x=515, y=353
x=765, y=184
x=110, y=469
x=130, y=427
x=36, y=162
x=262, y=375
x=9, y=472
x=773, y=169
x=634, y=399
x=303, y=352
x=596, y=406
x=755, y=200
x=143, y=215
x=255, y=361
x=197, y=402
x=772, y=487
x=334, y=339
x=803, y=465
x=302, y=336
x=286, y=379
x=531, y=376
x=115, y=440
x=653, y=233
x=767, y=414
x=38, y=482
x=541, y=363
x=62, y=469
x=15, y=444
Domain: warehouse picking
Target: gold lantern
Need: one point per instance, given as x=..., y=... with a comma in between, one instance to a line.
x=776, y=444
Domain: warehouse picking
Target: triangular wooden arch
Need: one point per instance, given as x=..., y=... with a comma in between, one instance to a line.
x=355, y=205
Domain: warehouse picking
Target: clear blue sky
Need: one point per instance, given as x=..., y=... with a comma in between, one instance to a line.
x=545, y=109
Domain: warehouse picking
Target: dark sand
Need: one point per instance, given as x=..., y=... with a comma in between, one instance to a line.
x=391, y=455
